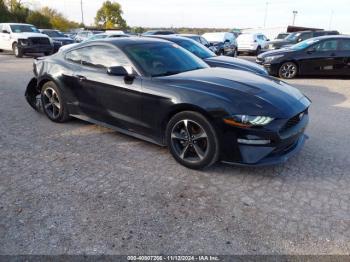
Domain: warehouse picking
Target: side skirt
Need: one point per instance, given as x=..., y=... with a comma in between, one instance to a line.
x=120, y=130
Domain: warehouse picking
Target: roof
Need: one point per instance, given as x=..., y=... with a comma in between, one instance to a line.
x=125, y=41
x=332, y=37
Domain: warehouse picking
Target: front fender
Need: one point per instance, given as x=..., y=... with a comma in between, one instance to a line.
x=31, y=94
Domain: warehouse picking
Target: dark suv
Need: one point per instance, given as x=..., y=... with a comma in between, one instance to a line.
x=297, y=37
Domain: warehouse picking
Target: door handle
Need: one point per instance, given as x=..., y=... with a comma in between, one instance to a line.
x=80, y=77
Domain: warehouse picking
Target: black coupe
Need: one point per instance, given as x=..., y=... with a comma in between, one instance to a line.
x=157, y=91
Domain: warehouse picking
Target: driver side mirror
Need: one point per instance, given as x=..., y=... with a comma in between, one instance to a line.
x=5, y=31
x=311, y=50
x=121, y=71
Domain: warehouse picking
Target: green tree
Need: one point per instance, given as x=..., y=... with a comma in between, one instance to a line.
x=39, y=20
x=57, y=20
x=19, y=13
x=4, y=12
x=109, y=16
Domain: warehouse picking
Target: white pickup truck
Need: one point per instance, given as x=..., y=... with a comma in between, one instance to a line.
x=23, y=39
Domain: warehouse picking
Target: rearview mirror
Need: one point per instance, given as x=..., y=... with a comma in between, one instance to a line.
x=5, y=32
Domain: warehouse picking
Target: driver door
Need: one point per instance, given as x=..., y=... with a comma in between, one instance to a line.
x=5, y=38
x=106, y=98
x=321, y=58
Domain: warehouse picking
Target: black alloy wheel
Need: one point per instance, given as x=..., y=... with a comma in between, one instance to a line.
x=53, y=103
x=192, y=140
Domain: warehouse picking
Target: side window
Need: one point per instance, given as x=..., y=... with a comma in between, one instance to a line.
x=316, y=34
x=305, y=36
x=98, y=57
x=344, y=45
x=328, y=45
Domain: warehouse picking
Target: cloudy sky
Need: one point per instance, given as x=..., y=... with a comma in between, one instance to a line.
x=216, y=13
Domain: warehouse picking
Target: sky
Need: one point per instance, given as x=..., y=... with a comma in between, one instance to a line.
x=327, y=14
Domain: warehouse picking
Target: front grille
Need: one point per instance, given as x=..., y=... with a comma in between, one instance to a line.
x=39, y=41
x=293, y=121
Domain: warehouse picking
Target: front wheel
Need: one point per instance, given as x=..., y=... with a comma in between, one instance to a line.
x=17, y=51
x=192, y=140
x=53, y=103
x=288, y=70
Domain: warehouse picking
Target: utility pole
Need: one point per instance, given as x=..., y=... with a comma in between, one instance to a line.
x=294, y=15
x=265, y=18
x=331, y=20
x=82, y=11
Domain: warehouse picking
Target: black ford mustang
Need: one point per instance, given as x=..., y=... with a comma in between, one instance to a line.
x=156, y=90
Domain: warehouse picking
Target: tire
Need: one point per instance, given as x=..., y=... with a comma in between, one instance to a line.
x=1, y=50
x=53, y=103
x=196, y=146
x=288, y=70
x=258, y=51
x=221, y=52
x=235, y=53
x=17, y=51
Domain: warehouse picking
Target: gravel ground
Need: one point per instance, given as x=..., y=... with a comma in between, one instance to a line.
x=77, y=188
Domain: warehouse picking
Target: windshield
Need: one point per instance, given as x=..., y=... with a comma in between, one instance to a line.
x=292, y=36
x=195, y=48
x=163, y=59
x=96, y=37
x=24, y=29
x=214, y=37
x=53, y=33
x=304, y=44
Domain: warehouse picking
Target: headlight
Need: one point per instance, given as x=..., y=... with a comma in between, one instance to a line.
x=269, y=59
x=248, y=121
x=57, y=42
x=23, y=42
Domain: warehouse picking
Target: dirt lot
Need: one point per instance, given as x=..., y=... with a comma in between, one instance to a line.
x=81, y=189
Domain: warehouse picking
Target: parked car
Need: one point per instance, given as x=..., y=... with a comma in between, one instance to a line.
x=201, y=40
x=224, y=42
x=252, y=43
x=282, y=36
x=24, y=39
x=83, y=35
x=211, y=58
x=58, y=38
x=157, y=91
x=325, y=55
x=159, y=32
x=297, y=37
x=109, y=34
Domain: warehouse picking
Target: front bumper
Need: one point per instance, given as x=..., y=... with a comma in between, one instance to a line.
x=36, y=49
x=283, y=144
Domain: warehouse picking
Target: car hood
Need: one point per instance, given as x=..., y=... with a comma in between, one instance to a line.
x=281, y=51
x=279, y=42
x=235, y=63
x=245, y=90
x=27, y=35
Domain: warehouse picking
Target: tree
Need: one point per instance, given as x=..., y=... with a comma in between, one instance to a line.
x=19, y=13
x=4, y=12
x=39, y=20
x=109, y=16
x=57, y=20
